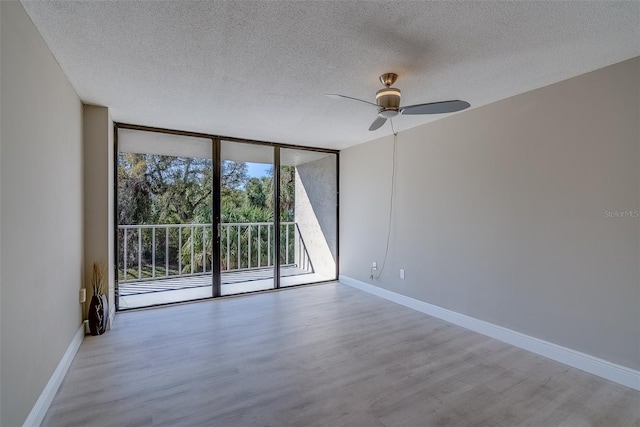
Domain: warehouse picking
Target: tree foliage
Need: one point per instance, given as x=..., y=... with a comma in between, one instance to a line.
x=156, y=189
x=134, y=190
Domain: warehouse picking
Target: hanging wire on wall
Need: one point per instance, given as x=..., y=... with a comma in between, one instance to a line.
x=391, y=199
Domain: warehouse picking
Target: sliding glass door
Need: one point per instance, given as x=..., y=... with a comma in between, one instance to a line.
x=200, y=217
x=247, y=236
x=164, y=215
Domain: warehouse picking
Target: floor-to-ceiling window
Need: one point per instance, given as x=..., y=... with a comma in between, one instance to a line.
x=247, y=236
x=164, y=215
x=201, y=216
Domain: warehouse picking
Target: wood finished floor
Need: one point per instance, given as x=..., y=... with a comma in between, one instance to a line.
x=325, y=355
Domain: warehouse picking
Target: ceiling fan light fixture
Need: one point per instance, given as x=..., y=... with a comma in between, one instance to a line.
x=387, y=113
x=388, y=98
x=388, y=103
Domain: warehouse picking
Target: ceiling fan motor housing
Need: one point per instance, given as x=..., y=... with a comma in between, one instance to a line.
x=388, y=100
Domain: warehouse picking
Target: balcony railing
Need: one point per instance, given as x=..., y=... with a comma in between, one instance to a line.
x=148, y=252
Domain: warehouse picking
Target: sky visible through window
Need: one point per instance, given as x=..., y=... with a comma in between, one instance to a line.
x=258, y=170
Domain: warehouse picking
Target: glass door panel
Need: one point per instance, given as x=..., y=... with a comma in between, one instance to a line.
x=308, y=216
x=164, y=235
x=247, y=249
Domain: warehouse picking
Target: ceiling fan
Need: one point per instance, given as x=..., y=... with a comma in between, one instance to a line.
x=388, y=103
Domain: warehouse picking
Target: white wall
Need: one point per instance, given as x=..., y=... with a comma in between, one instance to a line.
x=500, y=213
x=41, y=221
x=98, y=197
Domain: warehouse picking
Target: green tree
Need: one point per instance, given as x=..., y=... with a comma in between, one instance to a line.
x=252, y=235
x=156, y=189
x=256, y=195
x=134, y=189
x=181, y=188
x=287, y=192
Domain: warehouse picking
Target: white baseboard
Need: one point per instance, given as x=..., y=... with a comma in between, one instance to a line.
x=41, y=407
x=585, y=362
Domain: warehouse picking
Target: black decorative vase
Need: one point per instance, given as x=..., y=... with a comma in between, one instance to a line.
x=98, y=314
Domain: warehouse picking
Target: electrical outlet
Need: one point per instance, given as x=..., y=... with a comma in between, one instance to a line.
x=375, y=265
x=402, y=273
x=83, y=295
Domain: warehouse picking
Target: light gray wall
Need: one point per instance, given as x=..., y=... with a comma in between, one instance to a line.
x=98, y=198
x=41, y=222
x=315, y=210
x=501, y=213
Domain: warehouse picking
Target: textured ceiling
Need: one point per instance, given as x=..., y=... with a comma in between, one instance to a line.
x=259, y=70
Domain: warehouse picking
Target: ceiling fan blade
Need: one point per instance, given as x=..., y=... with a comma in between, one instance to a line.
x=336, y=96
x=379, y=121
x=435, y=107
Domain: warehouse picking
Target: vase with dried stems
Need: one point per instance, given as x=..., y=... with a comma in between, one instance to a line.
x=99, y=307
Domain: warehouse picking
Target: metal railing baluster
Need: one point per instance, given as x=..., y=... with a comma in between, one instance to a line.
x=238, y=255
x=139, y=253
x=153, y=252
x=286, y=228
x=204, y=251
x=244, y=260
x=191, y=246
x=249, y=246
x=228, y=266
x=125, y=254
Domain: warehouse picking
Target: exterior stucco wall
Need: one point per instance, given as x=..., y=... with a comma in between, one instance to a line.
x=315, y=212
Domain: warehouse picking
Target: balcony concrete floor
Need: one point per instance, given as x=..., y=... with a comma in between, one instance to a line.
x=146, y=293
